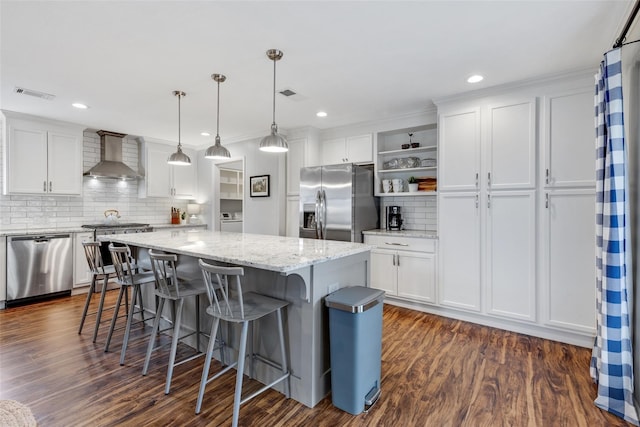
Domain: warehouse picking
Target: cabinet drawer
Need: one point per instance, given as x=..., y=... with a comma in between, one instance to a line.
x=401, y=243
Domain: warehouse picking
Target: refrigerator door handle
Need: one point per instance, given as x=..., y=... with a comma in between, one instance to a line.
x=324, y=214
x=318, y=216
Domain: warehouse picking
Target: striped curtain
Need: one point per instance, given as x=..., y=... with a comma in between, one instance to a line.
x=612, y=358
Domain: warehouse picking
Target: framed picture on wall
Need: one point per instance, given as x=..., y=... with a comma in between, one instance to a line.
x=259, y=186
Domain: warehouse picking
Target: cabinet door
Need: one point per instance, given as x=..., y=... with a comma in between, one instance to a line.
x=295, y=161
x=81, y=275
x=459, y=150
x=64, y=163
x=3, y=269
x=416, y=276
x=26, y=166
x=569, y=152
x=511, y=145
x=569, y=259
x=383, y=271
x=511, y=254
x=333, y=151
x=185, y=177
x=459, y=243
x=293, y=216
x=158, y=174
x=359, y=149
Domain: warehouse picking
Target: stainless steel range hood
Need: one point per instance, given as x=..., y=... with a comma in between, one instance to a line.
x=111, y=165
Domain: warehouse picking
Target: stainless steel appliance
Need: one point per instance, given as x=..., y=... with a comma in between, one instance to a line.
x=337, y=202
x=115, y=228
x=394, y=217
x=39, y=265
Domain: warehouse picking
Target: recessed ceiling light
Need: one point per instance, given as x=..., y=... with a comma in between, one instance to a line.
x=475, y=78
x=80, y=105
x=205, y=134
x=321, y=114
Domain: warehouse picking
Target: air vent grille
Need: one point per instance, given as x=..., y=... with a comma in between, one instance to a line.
x=30, y=92
x=287, y=92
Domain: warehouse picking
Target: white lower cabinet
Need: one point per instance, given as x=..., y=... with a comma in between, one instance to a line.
x=3, y=271
x=569, y=289
x=459, y=251
x=404, y=267
x=511, y=254
x=81, y=274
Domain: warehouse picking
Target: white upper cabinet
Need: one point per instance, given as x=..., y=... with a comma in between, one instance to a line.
x=302, y=152
x=511, y=145
x=42, y=158
x=569, y=150
x=459, y=150
x=164, y=180
x=353, y=149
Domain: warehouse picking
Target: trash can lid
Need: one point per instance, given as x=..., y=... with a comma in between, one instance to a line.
x=354, y=299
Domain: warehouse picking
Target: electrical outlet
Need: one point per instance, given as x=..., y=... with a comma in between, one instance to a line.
x=333, y=287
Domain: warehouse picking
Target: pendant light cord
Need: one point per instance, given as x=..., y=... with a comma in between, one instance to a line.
x=218, y=113
x=274, y=91
x=179, y=143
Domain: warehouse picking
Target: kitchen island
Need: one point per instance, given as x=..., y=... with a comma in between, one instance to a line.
x=300, y=271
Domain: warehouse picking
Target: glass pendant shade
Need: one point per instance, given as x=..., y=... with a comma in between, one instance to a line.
x=179, y=158
x=217, y=151
x=274, y=143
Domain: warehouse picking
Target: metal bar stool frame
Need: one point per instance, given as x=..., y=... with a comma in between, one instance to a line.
x=98, y=271
x=170, y=287
x=244, y=309
x=127, y=277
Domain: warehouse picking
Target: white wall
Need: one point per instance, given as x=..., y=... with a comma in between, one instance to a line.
x=261, y=215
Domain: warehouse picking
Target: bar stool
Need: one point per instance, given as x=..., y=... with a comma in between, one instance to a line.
x=236, y=307
x=169, y=287
x=98, y=271
x=127, y=278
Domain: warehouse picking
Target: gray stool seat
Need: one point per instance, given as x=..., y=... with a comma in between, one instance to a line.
x=169, y=287
x=243, y=308
x=127, y=278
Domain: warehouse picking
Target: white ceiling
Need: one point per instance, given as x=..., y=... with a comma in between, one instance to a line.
x=359, y=61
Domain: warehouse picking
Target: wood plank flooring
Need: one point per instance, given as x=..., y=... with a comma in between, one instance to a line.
x=435, y=372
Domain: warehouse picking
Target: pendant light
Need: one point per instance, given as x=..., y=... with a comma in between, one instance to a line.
x=217, y=151
x=274, y=143
x=179, y=158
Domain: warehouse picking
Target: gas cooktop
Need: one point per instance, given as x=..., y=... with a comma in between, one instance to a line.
x=119, y=225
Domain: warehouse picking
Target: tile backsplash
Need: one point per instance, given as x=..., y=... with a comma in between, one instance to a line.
x=418, y=213
x=34, y=211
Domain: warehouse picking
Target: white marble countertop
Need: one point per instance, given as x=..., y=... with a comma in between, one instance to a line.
x=274, y=253
x=428, y=234
x=79, y=229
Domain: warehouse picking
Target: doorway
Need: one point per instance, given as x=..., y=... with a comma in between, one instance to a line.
x=229, y=196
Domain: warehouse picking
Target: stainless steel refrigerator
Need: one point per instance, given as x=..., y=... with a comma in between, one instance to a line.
x=337, y=202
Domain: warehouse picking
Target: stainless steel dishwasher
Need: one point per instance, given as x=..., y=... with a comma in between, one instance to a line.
x=39, y=265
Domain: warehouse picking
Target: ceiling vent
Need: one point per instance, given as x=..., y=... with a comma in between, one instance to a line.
x=35, y=93
x=287, y=92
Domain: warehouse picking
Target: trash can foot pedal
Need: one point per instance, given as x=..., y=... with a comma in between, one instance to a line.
x=371, y=398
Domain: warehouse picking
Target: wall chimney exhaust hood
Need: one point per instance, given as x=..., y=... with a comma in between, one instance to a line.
x=110, y=165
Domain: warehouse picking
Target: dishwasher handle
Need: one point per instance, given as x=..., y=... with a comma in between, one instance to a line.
x=40, y=238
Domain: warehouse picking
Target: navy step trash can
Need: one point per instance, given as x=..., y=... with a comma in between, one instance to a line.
x=355, y=340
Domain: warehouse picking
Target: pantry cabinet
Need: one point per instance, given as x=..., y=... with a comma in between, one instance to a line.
x=42, y=157
x=3, y=271
x=164, y=180
x=459, y=149
x=352, y=149
x=404, y=267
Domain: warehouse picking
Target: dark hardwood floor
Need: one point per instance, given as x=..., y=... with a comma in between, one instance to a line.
x=435, y=372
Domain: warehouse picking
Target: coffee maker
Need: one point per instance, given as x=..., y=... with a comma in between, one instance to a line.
x=394, y=218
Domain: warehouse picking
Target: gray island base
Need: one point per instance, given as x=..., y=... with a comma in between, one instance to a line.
x=300, y=271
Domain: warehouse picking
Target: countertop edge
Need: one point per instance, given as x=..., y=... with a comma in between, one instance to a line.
x=426, y=234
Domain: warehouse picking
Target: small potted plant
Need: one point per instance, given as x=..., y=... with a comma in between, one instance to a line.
x=413, y=184
x=183, y=217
